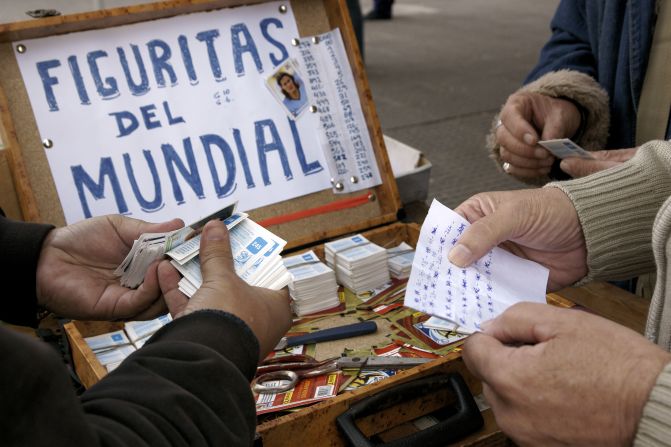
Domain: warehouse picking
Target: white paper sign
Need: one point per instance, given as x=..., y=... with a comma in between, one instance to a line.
x=467, y=296
x=343, y=132
x=172, y=117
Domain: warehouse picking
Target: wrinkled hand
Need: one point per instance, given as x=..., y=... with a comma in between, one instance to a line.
x=541, y=224
x=581, y=167
x=563, y=377
x=75, y=272
x=526, y=115
x=266, y=312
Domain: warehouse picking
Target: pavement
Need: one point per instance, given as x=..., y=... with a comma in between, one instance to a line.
x=441, y=69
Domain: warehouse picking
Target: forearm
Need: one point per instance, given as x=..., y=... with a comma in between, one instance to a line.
x=617, y=208
x=21, y=243
x=190, y=382
x=654, y=428
x=189, y=385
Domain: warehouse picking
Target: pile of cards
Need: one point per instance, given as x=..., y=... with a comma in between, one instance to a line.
x=256, y=256
x=360, y=265
x=400, y=260
x=113, y=347
x=150, y=247
x=313, y=286
x=565, y=148
x=139, y=331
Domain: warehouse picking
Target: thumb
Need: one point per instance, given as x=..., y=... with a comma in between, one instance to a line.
x=580, y=167
x=525, y=323
x=216, y=259
x=161, y=227
x=483, y=356
x=554, y=127
x=483, y=235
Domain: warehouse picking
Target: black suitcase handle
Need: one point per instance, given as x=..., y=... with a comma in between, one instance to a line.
x=466, y=420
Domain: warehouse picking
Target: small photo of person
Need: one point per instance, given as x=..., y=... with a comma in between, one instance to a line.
x=287, y=86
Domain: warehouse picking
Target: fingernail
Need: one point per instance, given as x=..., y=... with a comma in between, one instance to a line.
x=529, y=139
x=214, y=231
x=460, y=255
x=540, y=153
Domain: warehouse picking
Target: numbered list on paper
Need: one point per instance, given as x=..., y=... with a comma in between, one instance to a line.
x=467, y=296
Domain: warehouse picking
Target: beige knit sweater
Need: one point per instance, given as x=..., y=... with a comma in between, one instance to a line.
x=621, y=211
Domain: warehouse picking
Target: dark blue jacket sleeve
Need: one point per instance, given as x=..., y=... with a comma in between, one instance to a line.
x=570, y=44
x=188, y=386
x=21, y=244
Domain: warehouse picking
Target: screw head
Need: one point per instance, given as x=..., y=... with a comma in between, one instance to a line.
x=47, y=143
x=354, y=179
x=283, y=9
x=295, y=42
x=21, y=48
x=339, y=186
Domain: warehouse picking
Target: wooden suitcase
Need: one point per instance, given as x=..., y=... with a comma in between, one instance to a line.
x=305, y=222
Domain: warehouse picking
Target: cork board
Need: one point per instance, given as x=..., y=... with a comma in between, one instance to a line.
x=33, y=183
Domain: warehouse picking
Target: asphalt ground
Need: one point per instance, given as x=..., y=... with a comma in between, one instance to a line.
x=441, y=69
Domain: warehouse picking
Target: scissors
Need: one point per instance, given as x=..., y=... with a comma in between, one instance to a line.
x=276, y=377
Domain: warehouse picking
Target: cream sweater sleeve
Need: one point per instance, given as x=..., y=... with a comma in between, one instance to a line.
x=617, y=208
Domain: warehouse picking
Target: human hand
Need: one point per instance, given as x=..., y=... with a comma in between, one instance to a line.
x=75, y=272
x=266, y=312
x=523, y=116
x=541, y=224
x=563, y=377
x=581, y=167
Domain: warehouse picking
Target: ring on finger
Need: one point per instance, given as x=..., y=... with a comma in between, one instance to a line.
x=506, y=167
x=499, y=123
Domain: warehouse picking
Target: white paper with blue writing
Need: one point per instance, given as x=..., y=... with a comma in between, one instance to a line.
x=170, y=117
x=343, y=131
x=467, y=296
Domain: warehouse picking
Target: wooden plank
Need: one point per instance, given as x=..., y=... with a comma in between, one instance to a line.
x=9, y=202
x=610, y=302
x=21, y=189
x=318, y=422
x=87, y=367
x=107, y=18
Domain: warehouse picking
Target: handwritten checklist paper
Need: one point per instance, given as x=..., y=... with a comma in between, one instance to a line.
x=467, y=296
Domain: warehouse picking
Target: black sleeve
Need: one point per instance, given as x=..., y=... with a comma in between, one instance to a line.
x=188, y=386
x=21, y=243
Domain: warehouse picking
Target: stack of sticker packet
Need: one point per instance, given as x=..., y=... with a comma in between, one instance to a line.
x=313, y=286
x=112, y=348
x=256, y=256
x=400, y=260
x=360, y=265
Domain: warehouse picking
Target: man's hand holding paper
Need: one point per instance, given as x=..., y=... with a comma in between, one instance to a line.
x=472, y=292
x=524, y=223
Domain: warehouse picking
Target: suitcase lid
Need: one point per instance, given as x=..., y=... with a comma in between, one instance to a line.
x=301, y=221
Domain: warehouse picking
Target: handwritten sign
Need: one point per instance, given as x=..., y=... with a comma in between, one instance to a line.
x=171, y=118
x=343, y=133
x=467, y=296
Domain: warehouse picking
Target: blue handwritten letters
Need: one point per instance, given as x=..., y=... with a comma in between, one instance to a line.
x=169, y=117
x=342, y=128
x=467, y=296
